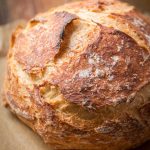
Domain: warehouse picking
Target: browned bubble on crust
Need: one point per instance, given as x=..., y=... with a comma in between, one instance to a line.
x=107, y=72
x=95, y=5
x=17, y=108
x=121, y=128
x=137, y=22
x=35, y=48
x=145, y=113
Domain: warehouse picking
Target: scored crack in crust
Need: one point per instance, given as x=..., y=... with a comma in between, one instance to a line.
x=79, y=76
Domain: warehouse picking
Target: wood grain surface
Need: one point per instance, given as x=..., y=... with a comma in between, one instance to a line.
x=11, y=10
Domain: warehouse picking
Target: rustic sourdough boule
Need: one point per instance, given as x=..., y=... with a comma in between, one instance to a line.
x=79, y=76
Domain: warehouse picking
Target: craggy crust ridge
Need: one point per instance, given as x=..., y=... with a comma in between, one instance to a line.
x=79, y=76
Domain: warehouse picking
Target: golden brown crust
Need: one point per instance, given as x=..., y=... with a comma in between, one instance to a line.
x=105, y=74
x=37, y=55
x=145, y=113
x=80, y=74
x=138, y=22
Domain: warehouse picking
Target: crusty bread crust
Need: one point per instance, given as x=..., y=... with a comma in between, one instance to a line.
x=79, y=75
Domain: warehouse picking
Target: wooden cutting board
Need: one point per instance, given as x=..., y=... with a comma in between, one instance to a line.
x=14, y=135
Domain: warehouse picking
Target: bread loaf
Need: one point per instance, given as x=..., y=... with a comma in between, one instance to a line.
x=79, y=76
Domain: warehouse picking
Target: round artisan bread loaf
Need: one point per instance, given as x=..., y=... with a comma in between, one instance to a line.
x=79, y=76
